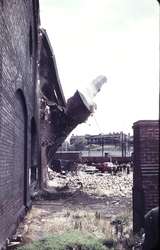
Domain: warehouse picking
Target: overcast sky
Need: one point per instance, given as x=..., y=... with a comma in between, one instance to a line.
x=116, y=38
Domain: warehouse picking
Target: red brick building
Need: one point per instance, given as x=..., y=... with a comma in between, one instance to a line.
x=18, y=110
x=146, y=170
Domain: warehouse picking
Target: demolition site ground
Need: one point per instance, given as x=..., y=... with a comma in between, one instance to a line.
x=90, y=202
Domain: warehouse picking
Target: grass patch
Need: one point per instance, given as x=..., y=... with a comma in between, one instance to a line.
x=67, y=241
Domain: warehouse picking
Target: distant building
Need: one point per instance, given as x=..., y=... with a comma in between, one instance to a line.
x=122, y=144
x=75, y=139
x=105, y=139
x=146, y=170
x=109, y=139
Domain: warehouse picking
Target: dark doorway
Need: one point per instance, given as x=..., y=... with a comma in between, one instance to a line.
x=34, y=157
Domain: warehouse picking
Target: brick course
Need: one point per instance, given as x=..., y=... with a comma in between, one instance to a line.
x=18, y=54
x=146, y=170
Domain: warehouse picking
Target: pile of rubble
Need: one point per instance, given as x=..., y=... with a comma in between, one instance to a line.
x=93, y=182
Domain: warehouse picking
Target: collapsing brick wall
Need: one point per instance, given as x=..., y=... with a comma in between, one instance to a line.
x=146, y=170
x=58, y=117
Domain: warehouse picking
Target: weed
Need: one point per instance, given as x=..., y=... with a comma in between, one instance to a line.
x=68, y=241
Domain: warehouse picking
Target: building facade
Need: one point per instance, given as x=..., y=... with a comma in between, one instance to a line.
x=107, y=139
x=146, y=170
x=18, y=110
x=110, y=139
x=115, y=144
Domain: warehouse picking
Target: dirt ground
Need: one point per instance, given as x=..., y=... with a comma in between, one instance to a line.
x=93, y=202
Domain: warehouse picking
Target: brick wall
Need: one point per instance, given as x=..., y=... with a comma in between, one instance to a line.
x=18, y=52
x=146, y=170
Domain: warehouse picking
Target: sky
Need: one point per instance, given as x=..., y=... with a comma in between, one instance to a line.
x=115, y=38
